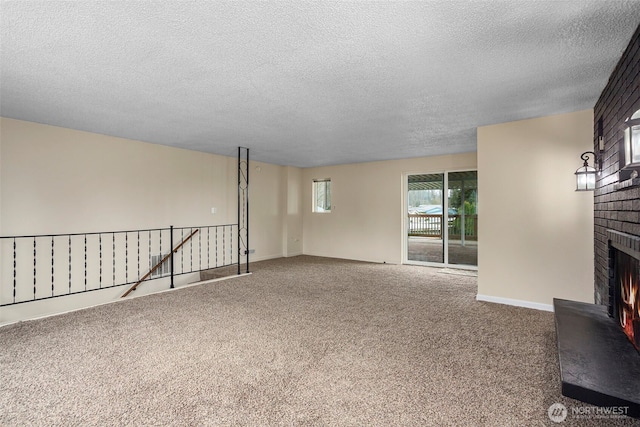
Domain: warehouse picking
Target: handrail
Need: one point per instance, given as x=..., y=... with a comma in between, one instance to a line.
x=154, y=268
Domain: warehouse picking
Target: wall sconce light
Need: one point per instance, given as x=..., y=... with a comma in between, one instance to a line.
x=586, y=175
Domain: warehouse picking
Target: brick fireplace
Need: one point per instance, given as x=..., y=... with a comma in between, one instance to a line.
x=599, y=344
x=617, y=195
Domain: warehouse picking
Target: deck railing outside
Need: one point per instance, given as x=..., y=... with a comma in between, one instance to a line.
x=430, y=225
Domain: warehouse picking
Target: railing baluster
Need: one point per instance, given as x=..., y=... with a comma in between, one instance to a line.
x=100, y=241
x=15, y=270
x=34, y=268
x=150, y=249
x=126, y=257
x=138, y=254
x=182, y=252
x=216, y=246
x=160, y=254
x=113, y=257
x=85, y=262
x=208, y=247
x=69, y=264
x=190, y=251
x=52, y=264
x=171, y=256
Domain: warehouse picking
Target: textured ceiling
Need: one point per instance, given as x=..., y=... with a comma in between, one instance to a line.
x=306, y=83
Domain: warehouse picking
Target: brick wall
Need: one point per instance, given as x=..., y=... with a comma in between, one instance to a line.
x=617, y=198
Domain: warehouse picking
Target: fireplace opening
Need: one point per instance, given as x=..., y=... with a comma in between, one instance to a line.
x=626, y=295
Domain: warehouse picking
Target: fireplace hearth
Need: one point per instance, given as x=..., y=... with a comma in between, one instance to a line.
x=598, y=345
x=598, y=363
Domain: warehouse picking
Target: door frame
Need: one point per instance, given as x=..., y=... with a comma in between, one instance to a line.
x=445, y=213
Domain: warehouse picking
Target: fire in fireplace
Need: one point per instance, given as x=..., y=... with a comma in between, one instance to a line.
x=627, y=295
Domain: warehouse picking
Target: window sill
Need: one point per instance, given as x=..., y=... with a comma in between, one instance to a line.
x=626, y=178
x=629, y=183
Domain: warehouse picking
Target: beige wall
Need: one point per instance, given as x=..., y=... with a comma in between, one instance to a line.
x=265, y=208
x=536, y=232
x=292, y=212
x=55, y=180
x=366, y=221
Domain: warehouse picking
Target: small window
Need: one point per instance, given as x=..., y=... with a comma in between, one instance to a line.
x=321, y=195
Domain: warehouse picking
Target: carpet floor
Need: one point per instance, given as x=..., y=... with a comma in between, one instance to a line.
x=301, y=341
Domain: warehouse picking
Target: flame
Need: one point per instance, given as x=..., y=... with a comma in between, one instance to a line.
x=632, y=295
x=629, y=311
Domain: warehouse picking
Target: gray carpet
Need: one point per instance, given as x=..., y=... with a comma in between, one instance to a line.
x=301, y=341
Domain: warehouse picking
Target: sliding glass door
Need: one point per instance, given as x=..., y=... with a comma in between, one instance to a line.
x=462, y=242
x=425, y=241
x=442, y=219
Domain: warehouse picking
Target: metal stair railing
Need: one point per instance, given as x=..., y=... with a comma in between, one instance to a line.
x=155, y=267
x=40, y=267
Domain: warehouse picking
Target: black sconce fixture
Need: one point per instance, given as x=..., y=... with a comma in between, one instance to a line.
x=586, y=175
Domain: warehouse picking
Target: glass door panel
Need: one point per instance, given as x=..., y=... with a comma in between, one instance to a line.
x=462, y=245
x=425, y=232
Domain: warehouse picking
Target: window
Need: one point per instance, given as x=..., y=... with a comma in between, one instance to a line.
x=632, y=140
x=322, y=195
x=630, y=148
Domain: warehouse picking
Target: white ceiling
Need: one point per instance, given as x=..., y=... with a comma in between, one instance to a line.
x=306, y=83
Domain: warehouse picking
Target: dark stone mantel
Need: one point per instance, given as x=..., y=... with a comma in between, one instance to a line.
x=598, y=363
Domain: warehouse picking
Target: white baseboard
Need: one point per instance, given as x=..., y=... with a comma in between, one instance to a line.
x=292, y=254
x=515, y=302
x=254, y=258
